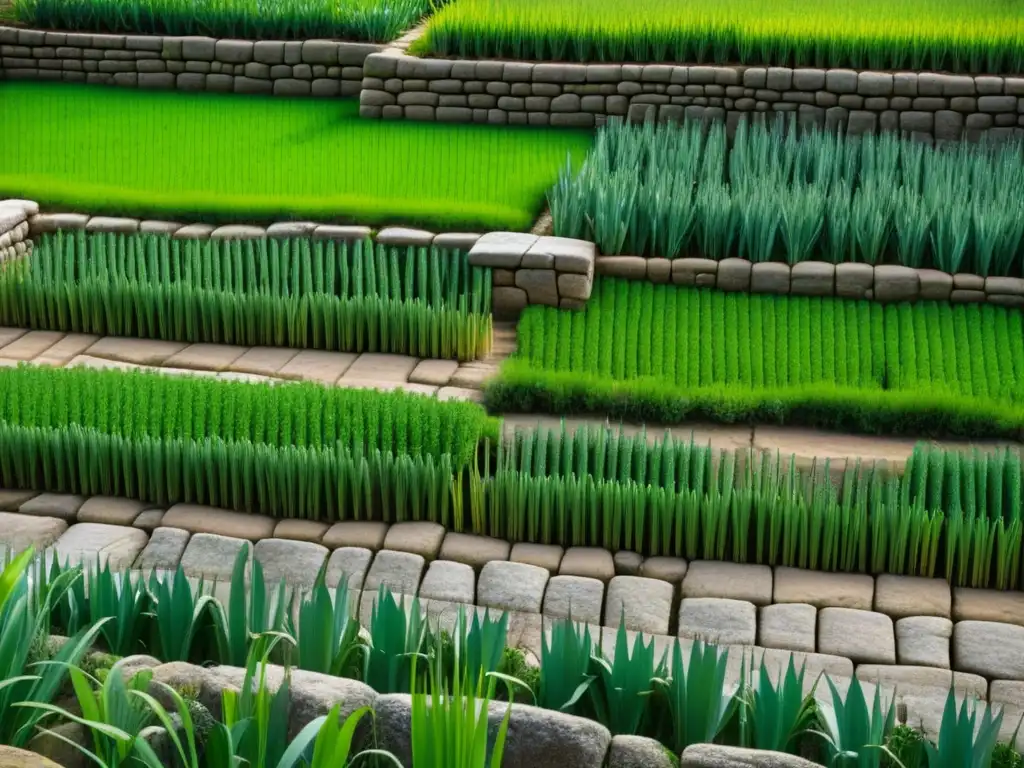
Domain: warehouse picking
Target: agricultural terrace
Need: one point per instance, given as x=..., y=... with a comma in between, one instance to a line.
x=177, y=154
x=951, y=35
x=369, y=20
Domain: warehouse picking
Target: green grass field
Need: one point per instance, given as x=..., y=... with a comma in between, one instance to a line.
x=668, y=354
x=960, y=35
x=260, y=157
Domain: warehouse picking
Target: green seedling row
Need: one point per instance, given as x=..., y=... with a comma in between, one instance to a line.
x=949, y=35
x=297, y=293
x=192, y=156
x=771, y=194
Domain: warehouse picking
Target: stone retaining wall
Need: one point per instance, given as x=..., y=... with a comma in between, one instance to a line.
x=923, y=104
x=295, y=68
x=817, y=278
x=14, y=228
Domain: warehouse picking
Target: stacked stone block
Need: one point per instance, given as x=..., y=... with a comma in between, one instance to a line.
x=926, y=104
x=293, y=68
x=14, y=228
x=886, y=282
x=533, y=269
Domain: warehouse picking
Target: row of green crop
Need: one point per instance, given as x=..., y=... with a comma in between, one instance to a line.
x=371, y=20
x=306, y=452
x=681, y=696
x=771, y=194
x=666, y=353
x=426, y=302
x=958, y=35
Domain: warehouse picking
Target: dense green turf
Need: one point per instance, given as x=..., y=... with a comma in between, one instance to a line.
x=960, y=35
x=174, y=153
x=375, y=20
x=663, y=353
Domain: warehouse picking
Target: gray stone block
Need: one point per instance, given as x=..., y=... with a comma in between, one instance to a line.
x=233, y=51
x=923, y=641
x=197, y=48
x=512, y=586
x=719, y=621
x=641, y=604
x=788, y=626
x=576, y=597
x=861, y=636
x=449, y=581
x=808, y=79
x=841, y=81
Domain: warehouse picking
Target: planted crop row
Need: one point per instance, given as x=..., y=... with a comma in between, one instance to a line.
x=957, y=35
x=186, y=156
x=771, y=194
x=371, y=20
x=680, y=696
x=663, y=353
x=296, y=293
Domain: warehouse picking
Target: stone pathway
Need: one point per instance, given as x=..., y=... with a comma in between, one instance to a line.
x=447, y=379
x=914, y=635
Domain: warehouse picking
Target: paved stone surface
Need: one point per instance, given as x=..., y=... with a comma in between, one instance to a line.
x=923, y=641
x=450, y=582
x=210, y=556
x=356, y=533
x=263, y=361
x=824, y=590
x=577, y=597
x=200, y=519
x=592, y=562
x=475, y=551
x=66, y=349
x=862, y=636
x=512, y=586
x=901, y=596
x=298, y=563
x=715, y=620
x=111, y=510
x=400, y=572
x=381, y=367
x=206, y=357
x=164, y=550
x=788, y=626
x=710, y=578
x=88, y=543
x=313, y=365
x=433, y=372
x=987, y=648
x=351, y=563
x=422, y=538
x=642, y=604
x=137, y=351
x=61, y=505
x=19, y=532
x=30, y=345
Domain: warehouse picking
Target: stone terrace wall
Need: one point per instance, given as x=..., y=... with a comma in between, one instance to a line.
x=925, y=104
x=300, y=68
x=888, y=282
x=14, y=228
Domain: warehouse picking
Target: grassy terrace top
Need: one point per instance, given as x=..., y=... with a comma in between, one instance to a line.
x=955, y=35
x=369, y=20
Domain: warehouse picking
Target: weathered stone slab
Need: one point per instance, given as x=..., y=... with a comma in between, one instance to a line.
x=201, y=519
x=297, y=563
x=421, y=538
x=641, y=604
x=719, y=621
x=113, y=545
x=164, y=551
x=862, y=636
x=449, y=581
x=210, y=556
x=512, y=586
x=788, y=626
x=576, y=597
x=736, y=581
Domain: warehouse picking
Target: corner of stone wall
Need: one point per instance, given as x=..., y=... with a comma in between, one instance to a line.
x=15, y=229
x=536, y=269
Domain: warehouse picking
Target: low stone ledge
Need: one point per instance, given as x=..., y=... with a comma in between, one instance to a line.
x=276, y=67
x=948, y=107
x=884, y=283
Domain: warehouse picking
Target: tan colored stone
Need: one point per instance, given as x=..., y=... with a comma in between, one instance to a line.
x=461, y=394
x=164, y=550
x=861, y=636
x=449, y=581
x=350, y=563
x=433, y=372
x=62, y=505
x=989, y=648
x=788, y=626
x=643, y=605
x=137, y=351
x=19, y=532
x=301, y=530
x=12, y=757
x=1008, y=695
x=737, y=581
x=206, y=357
x=113, y=545
x=576, y=597
x=988, y=605
x=547, y=556
x=474, y=551
x=901, y=596
x=212, y=557
x=592, y=562
x=923, y=641
x=629, y=267
x=263, y=361
x=811, y=447
x=149, y=520
x=374, y=366
x=111, y=510
x=11, y=501
x=421, y=538
x=512, y=586
x=313, y=365
x=670, y=569
x=628, y=563
x=103, y=364
x=824, y=590
x=719, y=621
x=367, y=534
x=399, y=572
x=470, y=376
x=31, y=345
x=66, y=349
x=10, y=335
x=200, y=519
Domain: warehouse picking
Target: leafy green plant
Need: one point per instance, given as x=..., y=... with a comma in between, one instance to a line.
x=397, y=636
x=964, y=740
x=698, y=700
x=178, y=614
x=622, y=692
x=855, y=730
x=774, y=716
x=565, y=666
x=328, y=637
